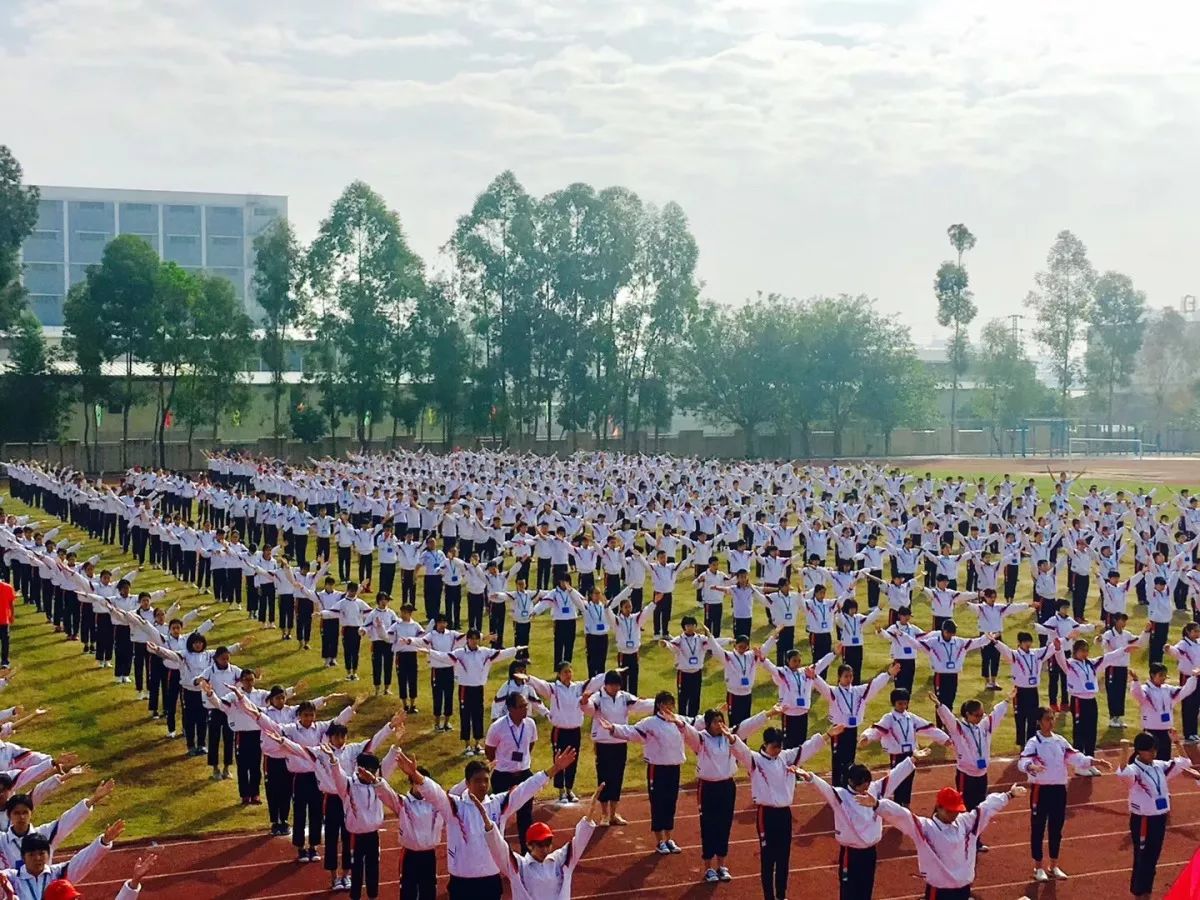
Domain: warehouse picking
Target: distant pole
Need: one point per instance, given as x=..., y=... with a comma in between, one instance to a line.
x=1015, y=320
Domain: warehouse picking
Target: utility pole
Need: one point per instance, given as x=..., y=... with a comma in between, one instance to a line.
x=1016, y=319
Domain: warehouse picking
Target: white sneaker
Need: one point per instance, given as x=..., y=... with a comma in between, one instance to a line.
x=172, y=734
x=1093, y=772
x=710, y=875
x=1059, y=873
x=1039, y=875
x=723, y=874
x=663, y=849
x=673, y=847
x=1114, y=723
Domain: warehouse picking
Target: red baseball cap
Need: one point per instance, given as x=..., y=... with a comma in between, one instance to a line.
x=61, y=889
x=538, y=833
x=950, y=800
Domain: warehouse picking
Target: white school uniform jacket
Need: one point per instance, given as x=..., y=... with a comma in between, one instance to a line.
x=562, y=700
x=1149, y=790
x=945, y=853
x=1056, y=755
x=991, y=616
x=33, y=887
x=1083, y=675
x=689, y=651
x=55, y=832
x=714, y=753
x=972, y=743
x=793, y=685
x=897, y=732
x=549, y=879
x=662, y=740
x=628, y=629
x=1187, y=652
x=420, y=824
x=848, y=704
x=1157, y=703
x=1113, y=640
x=855, y=825
x=946, y=657
x=903, y=639
x=771, y=784
x=1026, y=665
x=740, y=668
x=467, y=855
x=472, y=667
x=615, y=709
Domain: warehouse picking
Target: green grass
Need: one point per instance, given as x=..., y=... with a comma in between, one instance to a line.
x=160, y=792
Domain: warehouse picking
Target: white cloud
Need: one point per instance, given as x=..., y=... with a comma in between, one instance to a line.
x=840, y=137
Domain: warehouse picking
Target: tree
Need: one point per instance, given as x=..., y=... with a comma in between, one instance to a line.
x=31, y=393
x=18, y=217
x=221, y=345
x=1114, y=336
x=89, y=343
x=168, y=349
x=307, y=424
x=368, y=280
x=1062, y=302
x=279, y=265
x=902, y=392
x=124, y=288
x=729, y=366
x=442, y=370
x=956, y=309
x=961, y=240
x=1167, y=363
x=1008, y=390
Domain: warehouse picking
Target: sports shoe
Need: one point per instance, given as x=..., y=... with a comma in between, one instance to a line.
x=1059, y=873
x=1093, y=772
x=225, y=774
x=618, y=819
x=1039, y=875
x=562, y=796
x=674, y=847
x=981, y=847
x=571, y=797
x=710, y=875
x=604, y=822
x=1192, y=739
x=301, y=856
x=723, y=874
x=216, y=774
x=663, y=849
x=313, y=855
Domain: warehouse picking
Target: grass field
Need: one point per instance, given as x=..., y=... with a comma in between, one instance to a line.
x=161, y=792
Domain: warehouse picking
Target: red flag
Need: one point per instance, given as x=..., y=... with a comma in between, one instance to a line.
x=168, y=420
x=1187, y=886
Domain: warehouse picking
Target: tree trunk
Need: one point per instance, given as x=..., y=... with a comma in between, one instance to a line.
x=125, y=410
x=87, y=448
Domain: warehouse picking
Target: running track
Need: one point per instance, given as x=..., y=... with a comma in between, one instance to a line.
x=620, y=862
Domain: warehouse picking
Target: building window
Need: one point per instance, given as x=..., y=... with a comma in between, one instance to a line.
x=45, y=234
x=177, y=208
x=92, y=235
x=90, y=204
x=136, y=207
x=181, y=239
x=225, y=241
x=264, y=211
x=42, y=267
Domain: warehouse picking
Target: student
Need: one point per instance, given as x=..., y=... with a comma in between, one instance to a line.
x=539, y=872
x=1157, y=700
x=193, y=663
x=945, y=852
x=247, y=739
x=1116, y=676
x=598, y=623
x=1187, y=652
x=403, y=631
x=473, y=873
x=564, y=604
x=740, y=668
x=902, y=636
x=991, y=618
x=662, y=735
x=818, y=620
x=630, y=625
x=899, y=733
x=377, y=626
x=773, y=785
x=327, y=604
x=847, y=705
x=509, y=748
x=613, y=705
x=1148, y=780
x=563, y=696
x=421, y=827
x=971, y=736
x=1047, y=759
x=1026, y=665
x=850, y=626
x=352, y=611
x=364, y=807
x=1060, y=625
x=794, y=684
x=716, y=791
x=690, y=650
x=1083, y=679
x=36, y=873
x=441, y=670
x=19, y=810
x=856, y=828
x=471, y=666
x=947, y=655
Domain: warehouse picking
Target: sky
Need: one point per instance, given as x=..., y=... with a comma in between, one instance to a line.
x=817, y=147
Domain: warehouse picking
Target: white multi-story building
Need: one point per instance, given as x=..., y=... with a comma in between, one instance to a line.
x=210, y=232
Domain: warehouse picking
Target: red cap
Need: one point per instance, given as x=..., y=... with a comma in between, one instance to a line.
x=539, y=832
x=61, y=889
x=950, y=800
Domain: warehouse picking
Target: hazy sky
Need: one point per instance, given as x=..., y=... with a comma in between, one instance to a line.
x=817, y=146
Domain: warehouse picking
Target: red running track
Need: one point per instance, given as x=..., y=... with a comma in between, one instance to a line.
x=620, y=862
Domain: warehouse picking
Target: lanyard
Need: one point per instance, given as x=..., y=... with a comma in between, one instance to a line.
x=691, y=644
x=851, y=704
x=798, y=677
x=821, y=611
x=852, y=625
x=598, y=610
x=743, y=663
x=978, y=738
x=905, y=733
x=522, y=603
x=1155, y=777
x=517, y=735
x=948, y=649
x=786, y=599
x=1026, y=660
x=630, y=627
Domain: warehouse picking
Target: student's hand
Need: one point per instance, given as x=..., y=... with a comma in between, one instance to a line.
x=73, y=772
x=1133, y=676
x=595, y=803
x=867, y=800
x=1102, y=764
x=490, y=637
x=775, y=711
x=922, y=753
x=862, y=741
x=563, y=760
x=1017, y=790
x=366, y=777
x=933, y=698
x=358, y=702
x=143, y=865
x=1036, y=768
x=488, y=824
x=63, y=760
x=834, y=731
x=102, y=792
x=894, y=668
x=113, y=831
x=407, y=764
